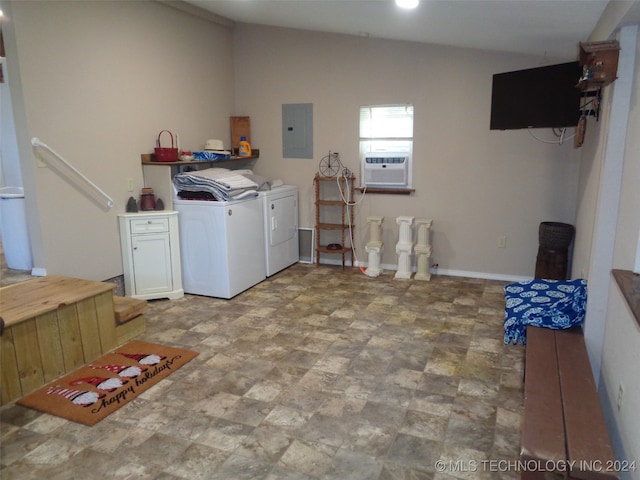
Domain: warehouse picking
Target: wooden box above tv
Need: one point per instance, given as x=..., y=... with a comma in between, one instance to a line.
x=600, y=63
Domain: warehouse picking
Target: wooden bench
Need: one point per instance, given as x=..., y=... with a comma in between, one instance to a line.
x=129, y=314
x=564, y=434
x=52, y=325
x=49, y=326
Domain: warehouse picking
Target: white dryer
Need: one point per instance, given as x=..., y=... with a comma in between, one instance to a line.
x=222, y=245
x=280, y=207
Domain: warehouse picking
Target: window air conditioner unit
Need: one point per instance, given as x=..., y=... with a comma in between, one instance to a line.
x=385, y=169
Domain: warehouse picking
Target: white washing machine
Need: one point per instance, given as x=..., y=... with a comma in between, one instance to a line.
x=280, y=207
x=221, y=245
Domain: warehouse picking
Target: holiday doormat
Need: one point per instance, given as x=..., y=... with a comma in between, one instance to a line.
x=96, y=390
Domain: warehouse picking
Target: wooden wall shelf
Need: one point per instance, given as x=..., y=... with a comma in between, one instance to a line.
x=149, y=159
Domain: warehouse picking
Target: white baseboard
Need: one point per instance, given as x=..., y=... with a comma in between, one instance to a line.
x=443, y=271
x=39, y=272
x=482, y=275
x=336, y=261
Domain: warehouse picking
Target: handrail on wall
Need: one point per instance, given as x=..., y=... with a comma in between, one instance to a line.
x=37, y=143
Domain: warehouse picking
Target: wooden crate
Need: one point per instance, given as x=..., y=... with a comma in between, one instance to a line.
x=130, y=321
x=600, y=59
x=52, y=326
x=130, y=330
x=240, y=127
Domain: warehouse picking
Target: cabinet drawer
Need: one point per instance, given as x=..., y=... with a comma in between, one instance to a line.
x=149, y=225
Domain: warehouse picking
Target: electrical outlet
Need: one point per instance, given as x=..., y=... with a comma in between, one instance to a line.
x=129, y=184
x=502, y=241
x=620, y=396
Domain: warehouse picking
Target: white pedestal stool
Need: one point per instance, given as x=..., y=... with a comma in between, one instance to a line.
x=374, y=246
x=404, y=247
x=423, y=250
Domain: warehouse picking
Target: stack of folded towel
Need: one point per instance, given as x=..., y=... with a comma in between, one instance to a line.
x=217, y=184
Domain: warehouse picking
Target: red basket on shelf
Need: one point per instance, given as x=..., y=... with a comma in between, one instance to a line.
x=164, y=154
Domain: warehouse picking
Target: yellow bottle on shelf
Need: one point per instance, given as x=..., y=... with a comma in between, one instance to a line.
x=244, y=149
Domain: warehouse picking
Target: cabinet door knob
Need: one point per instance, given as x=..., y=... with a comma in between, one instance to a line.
x=229, y=212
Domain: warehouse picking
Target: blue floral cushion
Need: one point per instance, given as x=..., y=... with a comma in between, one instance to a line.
x=555, y=304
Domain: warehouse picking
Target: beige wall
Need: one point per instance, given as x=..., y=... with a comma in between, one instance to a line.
x=589, y=186
x=99, y=80
x=629, y=214
x=621, y=350
x=608, y=227
x=474, y=183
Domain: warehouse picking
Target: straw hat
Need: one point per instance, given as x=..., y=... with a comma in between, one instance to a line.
x=215, y=146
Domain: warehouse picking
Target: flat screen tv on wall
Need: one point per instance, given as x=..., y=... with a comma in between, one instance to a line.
x=543, y=97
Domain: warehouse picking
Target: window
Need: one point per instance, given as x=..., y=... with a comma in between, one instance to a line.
x=386, y=145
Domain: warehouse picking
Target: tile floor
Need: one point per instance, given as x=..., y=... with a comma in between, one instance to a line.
x=10, y=276
x=315, y=373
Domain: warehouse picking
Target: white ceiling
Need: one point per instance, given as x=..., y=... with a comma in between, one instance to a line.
x=551, y=28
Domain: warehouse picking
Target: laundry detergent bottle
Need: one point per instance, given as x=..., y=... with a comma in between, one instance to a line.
x=244, y=149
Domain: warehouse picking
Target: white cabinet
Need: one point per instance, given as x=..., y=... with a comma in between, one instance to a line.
x=151, y=254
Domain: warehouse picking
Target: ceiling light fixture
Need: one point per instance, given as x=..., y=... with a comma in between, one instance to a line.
x=407, y=3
